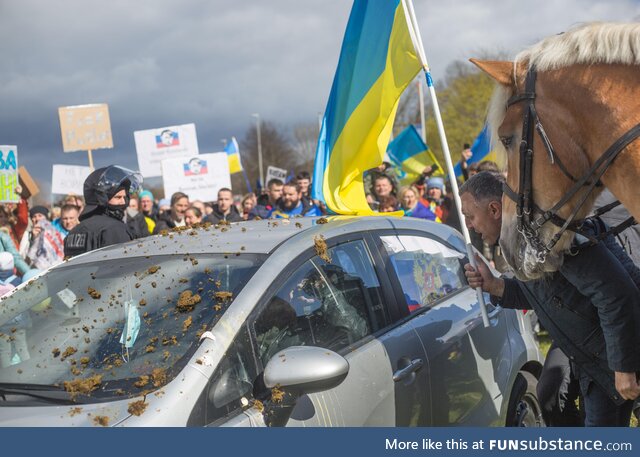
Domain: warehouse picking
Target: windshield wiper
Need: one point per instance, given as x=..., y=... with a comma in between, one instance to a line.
x=25, y=386
x=44, y=392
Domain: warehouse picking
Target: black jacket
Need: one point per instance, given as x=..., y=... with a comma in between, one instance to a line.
x=97, y=229
x=137, y=225
x=216, y=216
x=95, y=232
x=164, y=222
x=591, y=308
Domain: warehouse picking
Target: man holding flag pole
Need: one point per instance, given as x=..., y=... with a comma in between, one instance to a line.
x=381, y=54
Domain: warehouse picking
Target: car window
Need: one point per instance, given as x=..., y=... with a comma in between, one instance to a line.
x=325, y=304
x=231, y=384
x=116, y=322
x=352, y=276
x=427, y=269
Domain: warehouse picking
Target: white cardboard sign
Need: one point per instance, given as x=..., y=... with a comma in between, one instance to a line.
x=200, y=177
x=68, y=179
x=275, y=173
x=156, y=145
x=85, y=127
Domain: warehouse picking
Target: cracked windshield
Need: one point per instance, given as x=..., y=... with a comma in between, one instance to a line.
x=114, y=328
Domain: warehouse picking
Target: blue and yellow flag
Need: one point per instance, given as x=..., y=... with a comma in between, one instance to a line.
x=481, y=149
x=377, y=62
x=411, y=155
x=233, y=155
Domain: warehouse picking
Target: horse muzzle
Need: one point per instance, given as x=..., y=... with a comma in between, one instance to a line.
x=528, y=260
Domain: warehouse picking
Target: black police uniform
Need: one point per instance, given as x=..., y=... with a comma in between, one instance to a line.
x=95, y=232
x=100, y=223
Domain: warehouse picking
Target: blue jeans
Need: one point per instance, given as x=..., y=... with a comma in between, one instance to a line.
x=600, y=410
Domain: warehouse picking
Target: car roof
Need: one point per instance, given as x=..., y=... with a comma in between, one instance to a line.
x=258, y=237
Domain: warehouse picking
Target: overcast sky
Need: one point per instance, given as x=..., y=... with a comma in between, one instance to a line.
x=212, y=62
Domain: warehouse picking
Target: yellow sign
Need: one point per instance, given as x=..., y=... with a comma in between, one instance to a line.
x=8, y=174
x=85, y=127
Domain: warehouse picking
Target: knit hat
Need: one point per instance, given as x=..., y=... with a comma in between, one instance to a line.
x=164, y=202
x=145, y=193
x=437, y=183
x=39, y=210
x=6, y=261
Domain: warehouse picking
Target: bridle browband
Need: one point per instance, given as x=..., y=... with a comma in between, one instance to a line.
x=530, y=217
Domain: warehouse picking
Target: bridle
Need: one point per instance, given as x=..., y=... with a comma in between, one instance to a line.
x=530, y=217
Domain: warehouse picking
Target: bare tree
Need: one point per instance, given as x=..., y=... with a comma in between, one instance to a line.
x=305, y=142
x=276, y=149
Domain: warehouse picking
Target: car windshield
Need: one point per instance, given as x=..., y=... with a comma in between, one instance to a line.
x=116, y=327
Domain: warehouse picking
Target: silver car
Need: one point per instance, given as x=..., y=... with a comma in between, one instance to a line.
x=302, y=322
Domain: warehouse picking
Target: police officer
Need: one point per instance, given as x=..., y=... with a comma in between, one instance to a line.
x=106, y=193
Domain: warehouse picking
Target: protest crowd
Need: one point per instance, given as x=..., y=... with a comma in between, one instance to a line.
x=34, y=236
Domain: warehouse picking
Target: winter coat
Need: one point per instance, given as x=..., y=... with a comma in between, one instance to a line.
x=6, y=244
x=591, y=308
x=304, y=208
x=164, y=222
x=216, y=216
x=137, y=225
x=421, y=211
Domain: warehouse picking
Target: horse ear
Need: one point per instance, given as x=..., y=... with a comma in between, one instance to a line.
x=501, y=71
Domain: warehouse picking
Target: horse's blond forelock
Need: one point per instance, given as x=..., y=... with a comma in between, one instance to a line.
x=592, y=43
x=495, y=115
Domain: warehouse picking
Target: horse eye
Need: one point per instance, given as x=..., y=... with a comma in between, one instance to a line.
x=506, y=141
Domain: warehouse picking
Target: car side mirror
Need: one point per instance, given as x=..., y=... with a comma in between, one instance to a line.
x=296, y=371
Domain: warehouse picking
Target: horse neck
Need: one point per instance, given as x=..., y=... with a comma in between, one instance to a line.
x=599, y=104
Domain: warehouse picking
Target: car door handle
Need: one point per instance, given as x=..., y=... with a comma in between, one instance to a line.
x=402, y=373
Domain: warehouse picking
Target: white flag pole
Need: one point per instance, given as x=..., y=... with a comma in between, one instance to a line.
x=414, y=32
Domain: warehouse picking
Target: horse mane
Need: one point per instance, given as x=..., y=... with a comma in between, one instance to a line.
x=591, y=43
x=496, y=112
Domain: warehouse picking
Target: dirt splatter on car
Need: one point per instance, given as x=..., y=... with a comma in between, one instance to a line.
x=159, y=377
x=68, y=353
x=187, y=301
x=321, y=248
x=277, y=395
x=223, y=295
x=187, y=323
x=142, y=381
x=93, y=293
x=137, y=408
x=102, y=421
x=82, y=385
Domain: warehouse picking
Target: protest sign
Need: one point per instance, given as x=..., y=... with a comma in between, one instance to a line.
x=29, y=186
x=85, y=127
x=68, y=179
x=8, y=174
x=200, y=177
x=275, y=173
x=156, y=145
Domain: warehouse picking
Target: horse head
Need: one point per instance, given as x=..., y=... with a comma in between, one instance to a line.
x=567, y=116
x=532, y=246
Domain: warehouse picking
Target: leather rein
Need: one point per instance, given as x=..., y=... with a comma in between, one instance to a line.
x=530, y=217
